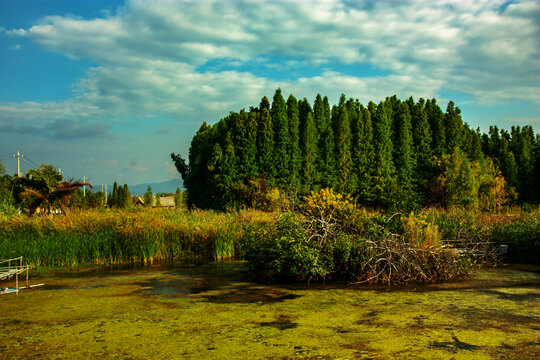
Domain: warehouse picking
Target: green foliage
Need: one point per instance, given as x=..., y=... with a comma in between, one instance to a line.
x=282, y=139
x=436, y=124
x=256, y=193
x=8, y=189
x=392, y=155
x=294, y=151
x=265, y=144
x=334, y=239
x=148, y=197
x=44, y=188
x=522, y=238
x=421, y=148
x=475, y=185
x=126, y=200
x=516, y=228
x=453, y=127
x=366, y=160
x=308, y=146
x=384, y=180
x=283, y=251
x=403, y=155
x=343, y=148
x=178, y=198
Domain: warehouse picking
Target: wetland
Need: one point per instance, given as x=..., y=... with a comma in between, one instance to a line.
x=219, y=310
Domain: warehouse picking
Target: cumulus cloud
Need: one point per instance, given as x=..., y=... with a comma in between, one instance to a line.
x=148, y=55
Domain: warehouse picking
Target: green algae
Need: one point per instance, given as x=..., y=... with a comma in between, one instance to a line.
x=216, y=311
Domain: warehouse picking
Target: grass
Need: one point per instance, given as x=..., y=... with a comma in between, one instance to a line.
x=170, y=235
x=125, y=236
x=515, y=227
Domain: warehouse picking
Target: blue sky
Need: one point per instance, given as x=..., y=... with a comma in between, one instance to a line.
x=108, y=89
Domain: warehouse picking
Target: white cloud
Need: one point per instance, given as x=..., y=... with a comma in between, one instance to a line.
x=147, y=54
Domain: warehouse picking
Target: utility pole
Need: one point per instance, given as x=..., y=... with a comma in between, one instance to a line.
x=19, y=155
x=84, y=186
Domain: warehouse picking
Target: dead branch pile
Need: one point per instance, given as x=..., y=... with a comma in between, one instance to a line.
x=391, y=260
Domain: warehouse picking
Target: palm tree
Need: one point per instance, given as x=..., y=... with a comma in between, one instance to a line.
x=44, y=188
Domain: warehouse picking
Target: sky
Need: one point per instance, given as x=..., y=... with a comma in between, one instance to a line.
x=108, y=89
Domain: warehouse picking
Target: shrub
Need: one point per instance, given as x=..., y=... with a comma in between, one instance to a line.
x=420, y=231
x=334, y=239
x=283, y=250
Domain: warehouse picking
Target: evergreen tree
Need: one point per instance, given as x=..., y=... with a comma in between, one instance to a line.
x=113, y=199
x=282, y=139
x=196, y=175
x=366, y=159
x=343, y=148
x=522, y=145
x=461, y=182
x=126, y=201
x=493, y=144
x=265, y=104
x=354, y=109
x=148, y=197
x=453, y=127
x=223, y=169
x=385, y=185
x=178, y=198
x=403, y=156
x=381, y=154
x=245, y=140
x=294, y=151
x=319, y=116
x=508, y=165
x=265, y=144
x=327, y=159
x=436, y=124
x=422, y=152
x=308, y=146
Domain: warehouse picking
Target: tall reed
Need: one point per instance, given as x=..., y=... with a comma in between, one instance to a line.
x=124, y=236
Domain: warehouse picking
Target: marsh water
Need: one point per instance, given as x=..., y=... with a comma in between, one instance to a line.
x=219, y=311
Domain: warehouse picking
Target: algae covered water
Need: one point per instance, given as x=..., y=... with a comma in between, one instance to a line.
x=218, y=311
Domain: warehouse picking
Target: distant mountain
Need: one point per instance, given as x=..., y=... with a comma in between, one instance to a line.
x=157, y=187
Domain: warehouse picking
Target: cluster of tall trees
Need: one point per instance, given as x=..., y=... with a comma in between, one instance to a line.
x=392, y=153
x=120, y=197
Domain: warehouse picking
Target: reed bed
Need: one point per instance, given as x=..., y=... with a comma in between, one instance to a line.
x=516, y=227
x=126, y=236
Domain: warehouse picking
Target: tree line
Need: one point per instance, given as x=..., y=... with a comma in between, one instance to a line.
x=45, y=190
x=402, y=153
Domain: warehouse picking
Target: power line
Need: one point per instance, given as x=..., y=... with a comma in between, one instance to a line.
x=33, y=163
